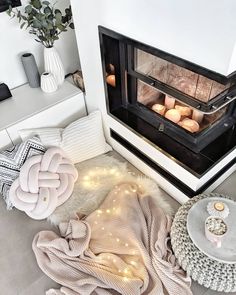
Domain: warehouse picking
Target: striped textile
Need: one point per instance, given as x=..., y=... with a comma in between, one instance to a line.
x=121, y=248
x=81, y=140
x=11, y=160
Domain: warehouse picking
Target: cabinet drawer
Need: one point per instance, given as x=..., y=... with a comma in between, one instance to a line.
x=58, y=115
x=5, y=140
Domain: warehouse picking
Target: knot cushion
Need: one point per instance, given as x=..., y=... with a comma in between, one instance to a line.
x=44, y=183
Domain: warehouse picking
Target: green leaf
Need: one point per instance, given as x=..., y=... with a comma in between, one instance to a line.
x=37, y=24
x=39, y=17
x=51, y=17
x=72, y=26
x=61, y=27
x=49, y=26
x=36, y=4
x=64, y=19
x=9, y=11
x=46, y=3
x=34, y=12
x=22, y=25
x=57, y=11
x=30, y=17
x=58, y=17
x=28, y=9
x=68, y=12
x=44, y=24
x=47, y=10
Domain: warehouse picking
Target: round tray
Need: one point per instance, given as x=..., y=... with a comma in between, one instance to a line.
x=196, y=230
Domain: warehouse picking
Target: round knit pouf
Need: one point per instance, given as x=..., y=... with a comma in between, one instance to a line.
x=206, y=271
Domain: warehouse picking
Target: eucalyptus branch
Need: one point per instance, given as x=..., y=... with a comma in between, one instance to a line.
x=43, y=20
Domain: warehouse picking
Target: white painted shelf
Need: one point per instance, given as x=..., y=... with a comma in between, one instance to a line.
x=26, y=102
x=32, y=108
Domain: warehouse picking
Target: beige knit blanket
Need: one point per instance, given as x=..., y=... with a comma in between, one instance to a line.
x=121, y=248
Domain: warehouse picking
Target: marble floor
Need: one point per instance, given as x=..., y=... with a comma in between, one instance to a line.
x=20, y=274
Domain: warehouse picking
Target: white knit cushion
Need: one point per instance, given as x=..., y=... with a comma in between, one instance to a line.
x=81, y=140
x=50, y=136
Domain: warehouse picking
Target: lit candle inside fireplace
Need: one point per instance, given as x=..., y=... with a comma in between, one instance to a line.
x=184, y=111
x=111, y=80
x=169, y=102
x=159, y=108
x=173, y=115
x=197, y=116
x=190, y=125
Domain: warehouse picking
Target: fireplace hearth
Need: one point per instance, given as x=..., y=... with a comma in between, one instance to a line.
x=185, y=111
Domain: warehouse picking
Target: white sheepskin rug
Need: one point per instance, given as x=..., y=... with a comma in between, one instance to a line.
x=97, y=177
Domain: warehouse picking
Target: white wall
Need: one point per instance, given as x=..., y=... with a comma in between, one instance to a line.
x=197, y=30
x=14, y=42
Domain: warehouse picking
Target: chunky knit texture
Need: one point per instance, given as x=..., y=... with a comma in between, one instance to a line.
x=121, y=248
x=45, y=182
x=206, y=271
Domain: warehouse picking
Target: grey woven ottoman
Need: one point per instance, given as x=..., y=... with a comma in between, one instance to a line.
x=206, y=271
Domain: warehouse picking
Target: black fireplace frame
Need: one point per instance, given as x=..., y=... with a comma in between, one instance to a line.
x=126, y=86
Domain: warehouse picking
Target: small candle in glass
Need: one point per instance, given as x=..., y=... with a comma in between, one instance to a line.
x=159, y=108
x=197, y=116
x=219, y=206
x=184, y=110
x=169, y=102
x=190, y=125
x=173, y=115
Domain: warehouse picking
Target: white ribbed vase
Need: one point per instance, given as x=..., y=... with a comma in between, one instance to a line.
x=48, y=82
x=53, y=64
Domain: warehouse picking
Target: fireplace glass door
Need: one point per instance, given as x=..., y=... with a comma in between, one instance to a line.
x=186, y=81
x=161, y=104
x=184, y=101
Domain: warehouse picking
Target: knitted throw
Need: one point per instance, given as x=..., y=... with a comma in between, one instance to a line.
x=45, y=182
x=121, y=248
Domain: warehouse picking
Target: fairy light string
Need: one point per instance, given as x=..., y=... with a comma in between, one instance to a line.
x=92, y=180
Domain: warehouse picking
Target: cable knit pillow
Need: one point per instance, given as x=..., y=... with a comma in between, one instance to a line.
x=11, y=160
x=81, y=140
x=44, y=183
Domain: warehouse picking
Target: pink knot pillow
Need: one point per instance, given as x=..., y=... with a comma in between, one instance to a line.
x=45, y=182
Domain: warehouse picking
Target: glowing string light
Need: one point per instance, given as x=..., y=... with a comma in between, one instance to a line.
x=133, y=262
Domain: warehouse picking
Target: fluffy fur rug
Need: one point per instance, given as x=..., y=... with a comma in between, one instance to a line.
x=96, y=178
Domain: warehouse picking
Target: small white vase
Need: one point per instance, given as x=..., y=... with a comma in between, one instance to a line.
x=48, y=82
x=53, y=64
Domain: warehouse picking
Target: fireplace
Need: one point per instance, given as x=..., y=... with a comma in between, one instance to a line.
x=182, y=109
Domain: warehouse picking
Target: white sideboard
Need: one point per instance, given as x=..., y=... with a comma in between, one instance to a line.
x=32, y=108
